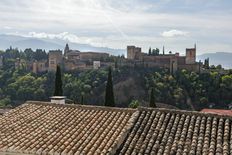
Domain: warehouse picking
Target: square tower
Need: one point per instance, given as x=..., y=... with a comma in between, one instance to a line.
x=55, y=58
x=133, y=53
x=190, y=55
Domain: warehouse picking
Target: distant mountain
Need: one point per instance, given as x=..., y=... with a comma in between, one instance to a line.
x=223, y=58
x=49, y=44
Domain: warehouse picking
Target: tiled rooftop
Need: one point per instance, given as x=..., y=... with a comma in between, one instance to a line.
x=171, y=132
x=36, y=128
x=218, y=111
x=43, y=128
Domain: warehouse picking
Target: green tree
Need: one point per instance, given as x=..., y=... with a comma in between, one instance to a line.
x=157, y=51
x=206, y=63
x=153, y=52
x=5, y=101
x=212, y=67
x=109, y=97
x=26, y=87
x=58, y=82
x=219, y=66
x=116, y=63
x=152, y=99
x=203, y=101
x=134, y=104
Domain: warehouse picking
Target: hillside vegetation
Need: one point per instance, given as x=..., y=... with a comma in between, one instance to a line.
x=185, y=90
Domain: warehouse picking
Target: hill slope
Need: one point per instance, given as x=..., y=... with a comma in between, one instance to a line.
x=223, y=58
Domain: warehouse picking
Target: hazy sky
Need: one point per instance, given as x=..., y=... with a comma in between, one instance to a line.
x=177, y=24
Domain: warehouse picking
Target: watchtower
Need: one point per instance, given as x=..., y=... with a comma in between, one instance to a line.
x=190, y=55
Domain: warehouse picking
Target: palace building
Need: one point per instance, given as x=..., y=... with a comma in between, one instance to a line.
x=171, y=61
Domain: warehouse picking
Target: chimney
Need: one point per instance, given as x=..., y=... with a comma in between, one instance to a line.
x=58, y=99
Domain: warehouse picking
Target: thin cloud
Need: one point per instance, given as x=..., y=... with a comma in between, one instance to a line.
x=7, y=27
x=174, y=33
x=66, y=36
x=116, y=23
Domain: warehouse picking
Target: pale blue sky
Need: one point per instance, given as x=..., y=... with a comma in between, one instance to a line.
x=177, y=24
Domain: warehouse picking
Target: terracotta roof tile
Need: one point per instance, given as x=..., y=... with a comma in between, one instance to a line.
x=218, y=111
x=40, y=128
x=169, y=132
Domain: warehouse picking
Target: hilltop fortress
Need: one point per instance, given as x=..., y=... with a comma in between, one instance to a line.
x=77, y=60
x=171, y=61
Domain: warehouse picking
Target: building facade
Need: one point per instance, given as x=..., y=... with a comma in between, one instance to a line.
x=173, y=62
x=39, y=66
x=134, y=52
x=74, y=59
x=91, y=56
x=190, y=55
x=96, y=64
x=73, y=55
x=55, y=58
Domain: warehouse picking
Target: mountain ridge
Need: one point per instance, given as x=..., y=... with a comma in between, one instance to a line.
x=36, y=43
x=222, y=58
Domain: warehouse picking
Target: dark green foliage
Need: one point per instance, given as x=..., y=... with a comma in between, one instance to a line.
x=28, y=54
x=206, y=63
x=163, y=51
x=200, y=90
x=153, y=52
x=152, y=99
x=58, y=83
x=40, y=54
x=11, y=53
x=134, y=104
x=82, y=99
x=109, y=96
x=116, y=63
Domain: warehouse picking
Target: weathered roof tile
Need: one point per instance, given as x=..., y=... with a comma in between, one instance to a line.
x=42, y=128
x=160, y=131
x=39, y=128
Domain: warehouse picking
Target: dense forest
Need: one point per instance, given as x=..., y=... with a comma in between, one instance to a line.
x=132, y=86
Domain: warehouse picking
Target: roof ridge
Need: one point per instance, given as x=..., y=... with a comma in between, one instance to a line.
x=94, y=107
x=177, y=111
x=126, y=132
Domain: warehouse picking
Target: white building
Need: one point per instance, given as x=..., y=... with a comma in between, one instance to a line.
x=96, y=64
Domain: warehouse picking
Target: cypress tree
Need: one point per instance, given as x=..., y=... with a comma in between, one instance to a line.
x=163, y=51
x=82, y=99
x=58, y=83
x=116, y=63
x=149, y=51
x=152, y=99
x=109, y=97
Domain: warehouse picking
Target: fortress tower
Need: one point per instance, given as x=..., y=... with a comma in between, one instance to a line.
x=190, y=55
x=55, y=58
x=133, y=53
